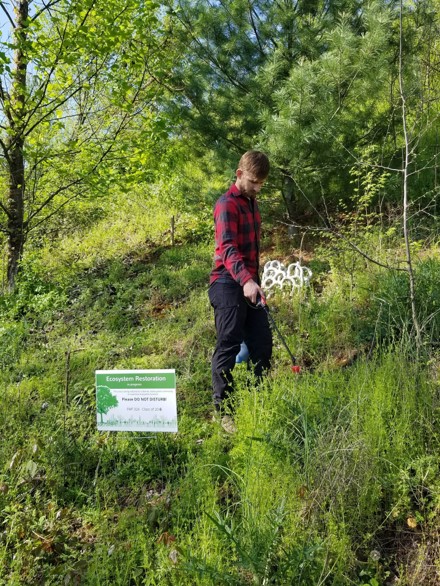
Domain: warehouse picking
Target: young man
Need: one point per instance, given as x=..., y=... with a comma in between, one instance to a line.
x=234, y=283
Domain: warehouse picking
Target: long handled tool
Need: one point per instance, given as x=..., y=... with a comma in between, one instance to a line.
x=261, y=302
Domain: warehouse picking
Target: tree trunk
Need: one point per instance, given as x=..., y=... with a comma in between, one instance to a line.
x=405, y=166
x=15, y=229
x=16, y=114
x=288, y=192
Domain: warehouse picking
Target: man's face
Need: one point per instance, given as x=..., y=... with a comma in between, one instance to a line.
x=248, y=184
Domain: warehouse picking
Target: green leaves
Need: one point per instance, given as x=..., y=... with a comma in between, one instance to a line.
x=76, y=93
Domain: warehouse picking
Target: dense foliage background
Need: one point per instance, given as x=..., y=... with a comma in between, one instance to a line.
x=120, y=125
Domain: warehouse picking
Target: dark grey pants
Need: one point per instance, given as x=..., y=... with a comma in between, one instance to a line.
x=236, y=321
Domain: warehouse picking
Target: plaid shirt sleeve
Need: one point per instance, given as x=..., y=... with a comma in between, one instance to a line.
x=237, y=226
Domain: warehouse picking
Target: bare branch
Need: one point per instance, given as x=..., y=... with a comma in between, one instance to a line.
x=254, y=28
x=5, y=150
x=51, y=111
x=46, y=7
x=348, y=242
x=8, y=16
x=54, y=212
x=364, y=254
x=46, y=202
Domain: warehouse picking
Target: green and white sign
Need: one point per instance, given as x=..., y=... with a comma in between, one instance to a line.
x=136, y=400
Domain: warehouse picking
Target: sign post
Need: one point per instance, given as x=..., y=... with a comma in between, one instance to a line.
x=136, y=400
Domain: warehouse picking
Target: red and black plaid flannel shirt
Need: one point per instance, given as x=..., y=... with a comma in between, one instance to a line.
x=237, y=237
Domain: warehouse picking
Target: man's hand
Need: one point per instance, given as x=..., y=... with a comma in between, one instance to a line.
x=251, y=291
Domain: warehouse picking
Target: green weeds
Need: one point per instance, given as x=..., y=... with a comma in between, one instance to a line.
x=329, y=472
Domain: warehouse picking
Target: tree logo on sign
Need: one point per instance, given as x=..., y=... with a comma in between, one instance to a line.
x=105, y=401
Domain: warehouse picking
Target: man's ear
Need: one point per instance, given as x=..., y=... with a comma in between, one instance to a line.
x=239, y=173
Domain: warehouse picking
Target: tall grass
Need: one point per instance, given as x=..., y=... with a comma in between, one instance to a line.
x=328, y=474
x=316, y=460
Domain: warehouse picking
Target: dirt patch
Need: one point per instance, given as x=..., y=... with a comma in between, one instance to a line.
x=411, y=556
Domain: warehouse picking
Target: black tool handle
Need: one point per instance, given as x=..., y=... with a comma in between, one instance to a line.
x=261, y=302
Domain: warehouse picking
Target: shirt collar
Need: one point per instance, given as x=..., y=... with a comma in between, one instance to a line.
x=234, y=190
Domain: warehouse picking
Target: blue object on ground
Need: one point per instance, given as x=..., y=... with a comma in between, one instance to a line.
x=243, y=355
